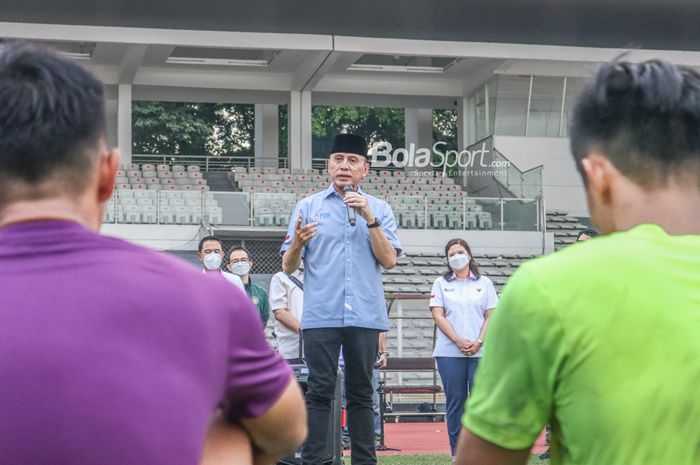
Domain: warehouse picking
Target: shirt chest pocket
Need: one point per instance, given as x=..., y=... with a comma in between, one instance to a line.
x=465, y=299
x=477, y=296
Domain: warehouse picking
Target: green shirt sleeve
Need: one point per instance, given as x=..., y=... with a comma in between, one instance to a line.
x=264, y=307
x=514, y=385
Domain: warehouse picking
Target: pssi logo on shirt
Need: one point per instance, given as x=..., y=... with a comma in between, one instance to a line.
x=478, y=290
x=449, y=289
x=319, y=215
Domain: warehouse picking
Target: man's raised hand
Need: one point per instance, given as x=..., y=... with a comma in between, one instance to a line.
x=303, y=234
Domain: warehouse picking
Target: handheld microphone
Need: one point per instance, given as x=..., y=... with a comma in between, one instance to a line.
x=352, y=214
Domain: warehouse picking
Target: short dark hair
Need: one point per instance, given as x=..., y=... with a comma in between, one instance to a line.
x=237, y=247
x=587, y=232
x=644, y=117
x=52, y=116
x=473, y=265
x=208, y=238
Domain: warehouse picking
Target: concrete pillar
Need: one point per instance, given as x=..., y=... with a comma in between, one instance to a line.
x=418, y=130
x=111, y=115
x=124, y=122
x=419, y=127
x=463, y=118
x=300, y=129
x=266, y=135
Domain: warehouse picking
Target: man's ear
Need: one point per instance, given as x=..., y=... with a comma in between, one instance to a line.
x=600, y=174
x=108, y=165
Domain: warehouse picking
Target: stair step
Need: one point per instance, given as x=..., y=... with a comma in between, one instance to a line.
x=219, y=181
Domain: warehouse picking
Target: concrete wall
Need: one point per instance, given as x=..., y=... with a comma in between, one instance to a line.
x=180, y=237
x=481, y=242
x=159, y=237
x=562, y=185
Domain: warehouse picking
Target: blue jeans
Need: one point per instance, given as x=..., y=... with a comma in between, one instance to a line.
x=457, y=374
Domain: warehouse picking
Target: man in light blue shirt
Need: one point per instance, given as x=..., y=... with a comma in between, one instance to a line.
x=343, y=295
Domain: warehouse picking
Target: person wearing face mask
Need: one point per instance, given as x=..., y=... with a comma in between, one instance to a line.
x=240, y=265
x=211, y=254
x=461, y=302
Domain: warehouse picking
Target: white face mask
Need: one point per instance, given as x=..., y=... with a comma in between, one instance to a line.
x=458, y=261
x=240, y=268
x=212, y=261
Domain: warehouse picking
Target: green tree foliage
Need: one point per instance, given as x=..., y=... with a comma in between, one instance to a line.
x=175, y=128
x=192, y=128
x=373, y=123
x=445, y=128
x=284, y=130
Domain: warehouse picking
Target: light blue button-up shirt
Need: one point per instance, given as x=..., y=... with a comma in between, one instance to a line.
x=342, y=282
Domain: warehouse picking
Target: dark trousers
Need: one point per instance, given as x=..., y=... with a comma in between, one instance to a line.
x=322, y=349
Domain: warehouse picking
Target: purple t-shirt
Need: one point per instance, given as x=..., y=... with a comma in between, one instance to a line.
x=115, y=354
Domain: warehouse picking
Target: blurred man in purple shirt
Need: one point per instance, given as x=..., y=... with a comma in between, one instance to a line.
x=111, y=353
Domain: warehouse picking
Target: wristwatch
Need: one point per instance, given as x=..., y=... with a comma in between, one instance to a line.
x=376, y=224
x=384, y=353
x=480, y=341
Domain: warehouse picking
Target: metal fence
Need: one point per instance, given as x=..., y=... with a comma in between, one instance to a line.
x=411, y=334
x=273, y=210
x=210, y=162
x=264, y=253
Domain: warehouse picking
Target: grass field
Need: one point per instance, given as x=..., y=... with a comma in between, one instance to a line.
x=430, y=460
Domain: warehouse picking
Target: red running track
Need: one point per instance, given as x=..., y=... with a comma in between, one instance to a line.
x=425, y=439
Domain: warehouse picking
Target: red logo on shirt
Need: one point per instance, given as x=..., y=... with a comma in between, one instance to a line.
x=432, y=296
x=286, y=238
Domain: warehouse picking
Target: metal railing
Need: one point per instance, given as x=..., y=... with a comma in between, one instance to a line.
x=209, y=162
x=138, y=206
x=412, y=334
x=484, y=213
x=523, y=184
x=273, y=210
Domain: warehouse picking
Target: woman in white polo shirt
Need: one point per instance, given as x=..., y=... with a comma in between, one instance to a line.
x=461, y=302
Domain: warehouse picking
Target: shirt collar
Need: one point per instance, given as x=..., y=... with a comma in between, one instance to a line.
x=471, y=277
x=331, y=190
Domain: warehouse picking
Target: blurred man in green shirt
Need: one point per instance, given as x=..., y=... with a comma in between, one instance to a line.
x=602, y=339
x=240, y=264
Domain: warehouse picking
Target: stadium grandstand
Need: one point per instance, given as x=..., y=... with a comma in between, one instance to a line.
x=510, y=71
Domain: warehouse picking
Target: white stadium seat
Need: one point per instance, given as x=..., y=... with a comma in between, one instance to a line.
x=215, y=215
x=166, y=215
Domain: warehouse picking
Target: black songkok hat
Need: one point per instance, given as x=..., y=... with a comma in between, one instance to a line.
x=349, y=143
